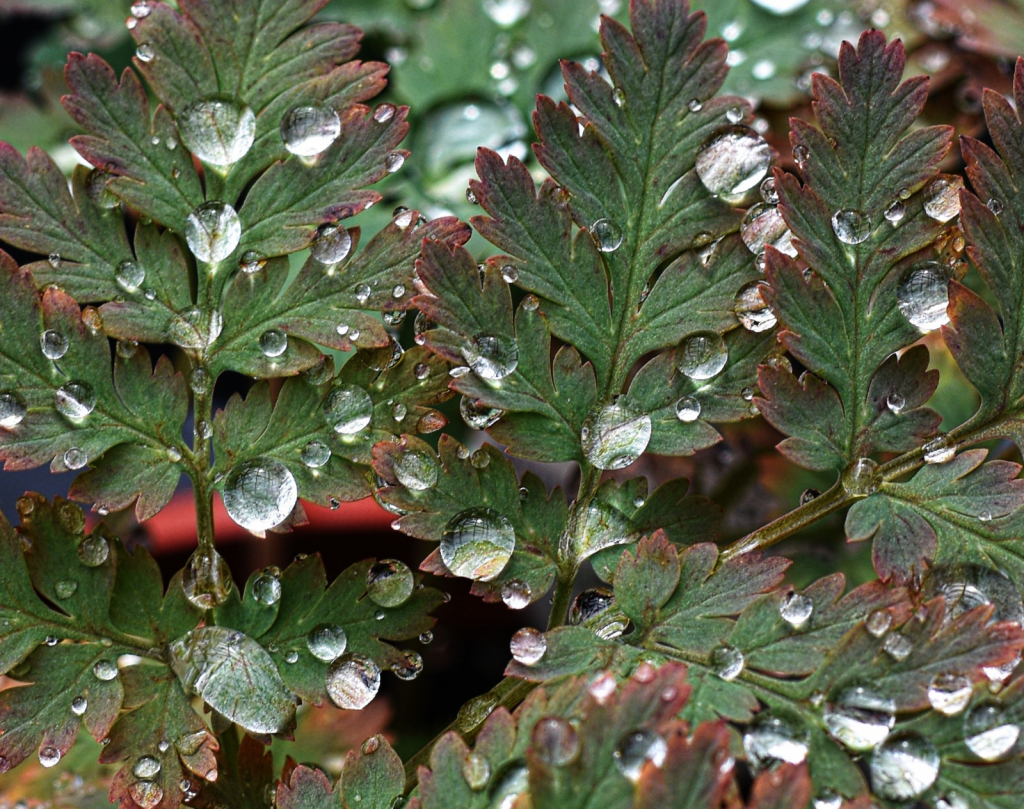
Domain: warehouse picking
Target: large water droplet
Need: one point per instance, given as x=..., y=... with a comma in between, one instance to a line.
x=477, y=544
x=851, y=227
x=607, y=235
x=616, y=435
x=273, y=343
x=770, y=739
x=415, y=469
x=477, y=771
x=796, y=609
x=988, y=733
x=904, y=766
x=752, y=310
x=859, y=717
x=213, y=231
x=352, y=681
x=348, y=409
x=307, y=131
x=327, y=642
x=506, y=13
x=528, y=646
x=260, y=494
x=206, y=579
x=218, y=131
x=12, y=410
x=555, y=741
x=266, y=589
x=389, y=583
x=702, y=355
x=942, y=198
x=54, y=344
x=332, y=244
x=949, y=693
x=732, y=162
x=728, y=662
x=75, y=400
x=409, y=666
x=636, y=749
x=491, y=356
x=923, y=295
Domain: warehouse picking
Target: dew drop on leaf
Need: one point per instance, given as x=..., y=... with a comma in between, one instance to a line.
x=988, y=732
x=607, y=235
x=352, y=681
x=218, y=131
x=995, y=205
x=332, y=244
x=93, y=550
x=54, y=344
x=65, y=588
x=878, y=622
x=206, y=579
x=796, y=609
x=949, y=693
x=273, y=343
x=923, y=295
x=389, y=583
x=49, y=756
x=827, y=799
x=851, y=227
x=516, y=594
x=75, y=458
x=146, y=767
x=130, y=275
x=251, y=262
x=859, y=717
x=477, y=544
x=733, y=162
x=636, y=749
x=555, y=741
x=687, y=409
x=702, y=355
x=615, y=436
x=895, y=402
x=394, y=161
x=76, y=400
x=728, y=662
x=897, y=646
x=146, y=794
x=904, y=766
x=938, y=451
x=492, y=357
x=266, y=589
x=862, y=478
x=896, y=211
x=105, y=670
x=528, y=646
x=145, y=52
x=477, y=771
x=213, y=231
x=506, y=13
x=12, y=410
x=752, y=310
x=309, y=130
x=476, y=414
x=260, y=494
x=79, y=705
x=327, y=642
x=416, y=470
x=770, y=739
x=942, y=198
x=763, y=225
x=348, y=409
x=315, y=454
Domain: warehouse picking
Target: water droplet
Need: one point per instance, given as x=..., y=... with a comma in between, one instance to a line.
x=528, y=646
x=607, y=235
x=780, y=7
x=145, y=52
x=477, y=771
x=897, y=646
x=130, y=275
x=75, y=458
x=795, y=609
x=327, y=642
x=54, y=344
x=965, y=587
x=636, y=749
x=477, y=544
x=732, y=162
x=79, y=705
x=516, y=594
x=769, y=193
x=140, y=9
x=555, y=741
x=12, y=410
x=260, y=494
x=942, y=198
x=763, y=69
x=695, y=105
x=492, y=357
x=938, y=451
x=399, y=411
x=752, y=310
x=476, y=414
x=995, y=205
x=146, y=767
x=988, y=733
x=827, y=799
x=315, y=454
x=923, y=295
x=266, y=589
x=394, y=161
x=49, y=756
x=896, y=211
x=389, y=583
x=51, y=640
x=252, y=262
x=352, y=681
x=218, y=131
x=904, y=766
x=702, y=355
x=415, y=470
x=859, y=717
x=309, y=130
x=762, y=226
x=728, y=662
x=862, y=477
x=273, y=343
x=770, y=739
x=332, y=244
x=851, y=227
x=878, y=622
x=949, y=693
x=895, y=402
x=105, y=670
x=75, y=400
x=409, y=667
x=206, y=579
x=348, y=409
x=213, y=231
x=687, y=409
x=65, y=588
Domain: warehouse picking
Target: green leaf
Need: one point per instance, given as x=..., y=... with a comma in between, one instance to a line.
x=482, y=483
x=842, y=320
x=964, y=511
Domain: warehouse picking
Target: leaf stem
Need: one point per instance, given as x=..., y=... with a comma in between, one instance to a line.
x=200, y=474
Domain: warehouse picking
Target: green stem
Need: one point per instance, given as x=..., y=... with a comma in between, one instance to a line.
x=561, y=599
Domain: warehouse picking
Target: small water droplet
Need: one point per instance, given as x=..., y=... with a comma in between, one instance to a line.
x=105, y=670
x=938, y=451
x=76, y=400
x=752, y=310
x=598, y=601
x=12, y=410
x=555, y=741
x=895, y=402
x=65, y=588
x=762, y=226
x=827, y=799
x=146, y=767
x=389, y=583
x=213, y=231
x=394, y=161
x=384, y=113
x=54, y=344
x=75, y=458
x=273, y=343
x=988, y=733
x=145, y=52
x=140, y=9
x=260, y=494
x=636, y=749
x=859, y=717
x=332, y=244
x=477, y=771
x=728, y=662
x=327, y=642
x=477, y=544
x=904, y=767
x=309, y=130
x=79, y=705
x=616, y=435
x=93, y=550
x=607, y=235
x=851, y=227
x=130, y=275
x=516, y=594
x=897, y=646
x=995, y=205
x=770, y=739
x=352, y=681
x=796, y=609
x=415, y=470
x=896, y=211
x=769, y=193
x=862, y=477
x=878, y=622
x=687, y=409
x=266, y=589
x=733, y=162
x=942, y=198
x=695, y=105
x=702, y=355
x=477, y=415
x=49, y=756
x=949, y=693
x=528, y=646
x=492, y=357
x=348, y=409
x=218, y=131
x=923, y=296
